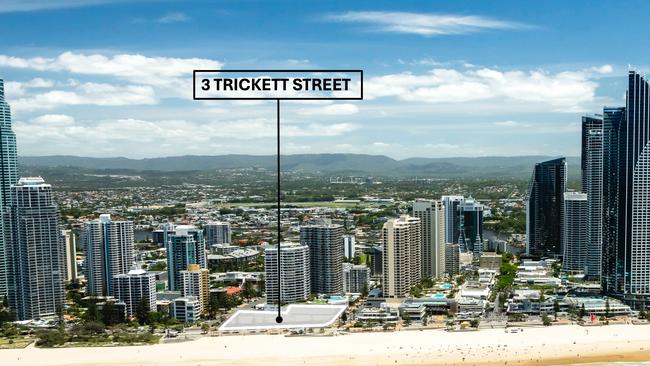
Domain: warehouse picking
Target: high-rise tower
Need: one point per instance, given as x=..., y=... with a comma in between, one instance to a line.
x=574, y=232
x=452, y=219
x=294, y=282
x=108, y=246
x=35, y=250
x=544, y=203
x=185, y=247
x=626, y=193
x=592, y=185
x=402, y=258
x=432, y=218
x=8, y=175
x=325, y=242
x=613, y=248
x=470, y=226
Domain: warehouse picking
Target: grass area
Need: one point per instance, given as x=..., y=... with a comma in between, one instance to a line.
x=6, y=343
x=108, y=343
x=365, y=258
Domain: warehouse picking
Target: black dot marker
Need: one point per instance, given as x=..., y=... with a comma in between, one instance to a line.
x=278, y=319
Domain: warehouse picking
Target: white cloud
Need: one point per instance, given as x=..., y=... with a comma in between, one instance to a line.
x=14, y=89
x=87, y=94
x=56, y=133
x=605, y=69
x=135, y=68
x=175, y=17
x=511, y=124
x=54, y=120
x=341, y=109
x=564, y=91
x=423, y=24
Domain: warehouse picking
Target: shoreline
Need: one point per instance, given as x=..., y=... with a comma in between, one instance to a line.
x=555, y=345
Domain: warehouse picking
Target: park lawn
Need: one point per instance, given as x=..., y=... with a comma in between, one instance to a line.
x=5, y=343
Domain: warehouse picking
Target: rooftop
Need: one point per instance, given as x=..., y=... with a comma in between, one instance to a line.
x=295, y=316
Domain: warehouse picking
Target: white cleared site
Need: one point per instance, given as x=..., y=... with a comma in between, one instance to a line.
x=294, y=316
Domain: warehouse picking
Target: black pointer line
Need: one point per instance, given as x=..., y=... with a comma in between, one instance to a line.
x=278, y=319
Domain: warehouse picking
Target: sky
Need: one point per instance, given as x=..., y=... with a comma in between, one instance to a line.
x=108, y=78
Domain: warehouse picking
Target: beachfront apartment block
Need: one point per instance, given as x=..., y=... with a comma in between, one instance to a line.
x=402, y=258
x=294, y=281
x=432, y=223
x=575, y=235
x=186, y=309
x=195, y=281
x=355, y=278
x=135, y=287
x=35, y=251
x=326, y=251
x=108, y=248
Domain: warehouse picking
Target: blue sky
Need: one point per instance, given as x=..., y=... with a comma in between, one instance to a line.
x=443, y=78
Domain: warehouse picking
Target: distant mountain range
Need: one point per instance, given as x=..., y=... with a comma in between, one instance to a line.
x=330, y=164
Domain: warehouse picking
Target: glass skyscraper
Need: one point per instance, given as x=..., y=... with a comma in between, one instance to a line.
x=626, y=194
x=544, y=204
x=186, y=246
x=470, y=236
x=8, y=176
x=452, y=220
x=612, y=241
x=592, y=185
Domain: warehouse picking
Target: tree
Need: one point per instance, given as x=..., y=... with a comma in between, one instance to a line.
x=142, y=311
x=344, y=317
x=406, y=319
x=582, y=312
x=474, y=323
x=556, y=308
x=213, y=306
x=205, y=328
x=49, y=338
x=546, y=320
x=59, y=314
x=642, y=312
x=108, y=313
x=157, y=266
x=91, y=313
x=415, y=291
x=248, y=290
x=426, y=282
x=364, y=290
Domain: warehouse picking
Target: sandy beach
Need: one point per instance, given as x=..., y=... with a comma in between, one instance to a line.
x=554, y=345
